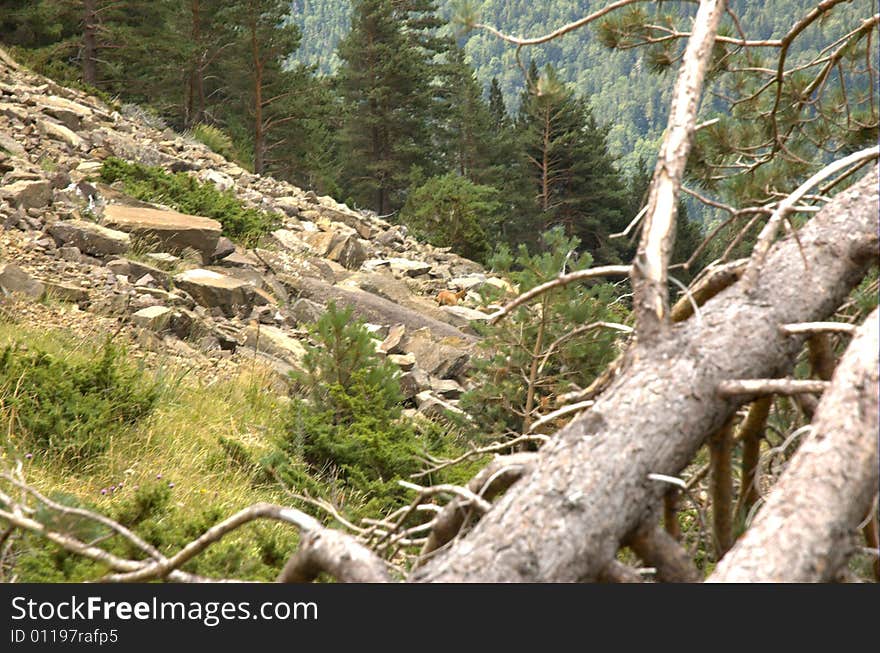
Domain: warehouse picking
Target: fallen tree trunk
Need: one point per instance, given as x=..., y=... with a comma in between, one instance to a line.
x=807, y=528
x=590, y=488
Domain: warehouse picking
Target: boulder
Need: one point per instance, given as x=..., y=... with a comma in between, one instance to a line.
x=136, y=270
x=433, y=407
x=68, y=112
x=14, y=280
x=28, y=194
x=166, y=230
x=154, y=318
x=214, y=290
x=305, y=311
x=276, y=342
x=406, y=267
x=349, y=253
x=66, y=292
x=443, y=358
x=391, y=344
x=404, y=361
x=413, y=382
x=49, y=129
x=90, y=238
x=446, y=388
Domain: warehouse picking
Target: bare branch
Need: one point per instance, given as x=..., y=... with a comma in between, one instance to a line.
x=803, y=328
x=765, y=239
x=559, y=282
x=786, y=387
x=805, y=531
x=649, y=270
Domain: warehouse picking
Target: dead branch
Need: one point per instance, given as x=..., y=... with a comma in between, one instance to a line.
x=559, y=282
x=817, y=327
x=713, y=281
x=649, y=270
x=324, y=550
x=804, y=531
x=721, y=487
x=659, y=549
x=751, y=432
x=768, y=233
x=786, y=387
x=492, y=480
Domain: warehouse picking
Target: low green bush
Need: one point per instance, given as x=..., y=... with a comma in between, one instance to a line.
x=70, y=408
x=217, y=140
x=186, y=194
x=346, y=434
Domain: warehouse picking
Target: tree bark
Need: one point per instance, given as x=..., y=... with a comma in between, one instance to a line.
x=590, y=488
x=806, y=530
x=90, y=42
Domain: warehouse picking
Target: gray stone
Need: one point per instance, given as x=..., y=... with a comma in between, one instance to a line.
x=90, y=238
x=66, y=292
x=409, y=268
x=214, y=290
x=305, y=311
x=441, y=359
x=413, y=382
x=392, y=342
x=275, y=341
x=404, y=361
x=14, y=280
x=154, y=318
x=61, y=133
x=446, y=388
x=28, y=194
x=165, y=230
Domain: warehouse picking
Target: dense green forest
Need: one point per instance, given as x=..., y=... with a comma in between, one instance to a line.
x=397, y=107
x=617, y=84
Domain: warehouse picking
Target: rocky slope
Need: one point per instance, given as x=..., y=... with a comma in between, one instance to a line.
x=174, y=285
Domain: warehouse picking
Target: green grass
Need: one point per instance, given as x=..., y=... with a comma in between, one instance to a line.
x=175, y=453
x=186, y=194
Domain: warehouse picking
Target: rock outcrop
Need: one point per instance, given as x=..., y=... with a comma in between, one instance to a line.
x=174, y=277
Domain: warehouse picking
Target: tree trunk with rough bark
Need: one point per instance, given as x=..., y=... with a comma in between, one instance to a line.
x=590, y=488
x=806, y=530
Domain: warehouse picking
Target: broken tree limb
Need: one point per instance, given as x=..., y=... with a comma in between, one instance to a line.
x=817, y=327
x=649, y=270
x=559, y=282
x=489, y=482
x=335, y=553
x=804, y=531
x=659, y=549
x=787, y=387
x=714, y=280
x=590, y=489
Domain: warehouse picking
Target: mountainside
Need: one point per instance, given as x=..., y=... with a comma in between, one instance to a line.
x=623, y=94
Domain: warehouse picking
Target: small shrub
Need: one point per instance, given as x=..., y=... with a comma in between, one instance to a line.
x=186, y=194
x=70, y=409
x=349, y=422
x=216, y=139
x=451, y=211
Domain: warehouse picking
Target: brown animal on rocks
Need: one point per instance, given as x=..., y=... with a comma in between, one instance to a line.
x=449, y=298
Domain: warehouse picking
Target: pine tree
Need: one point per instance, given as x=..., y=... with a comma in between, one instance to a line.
x=385, y=82
x=575, y=183
x=467, y=128
x=261, y=84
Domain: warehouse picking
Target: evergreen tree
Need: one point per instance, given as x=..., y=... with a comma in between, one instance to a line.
x=262, y=86
x=385, y=82
x=576, y=185
x=466, y=133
